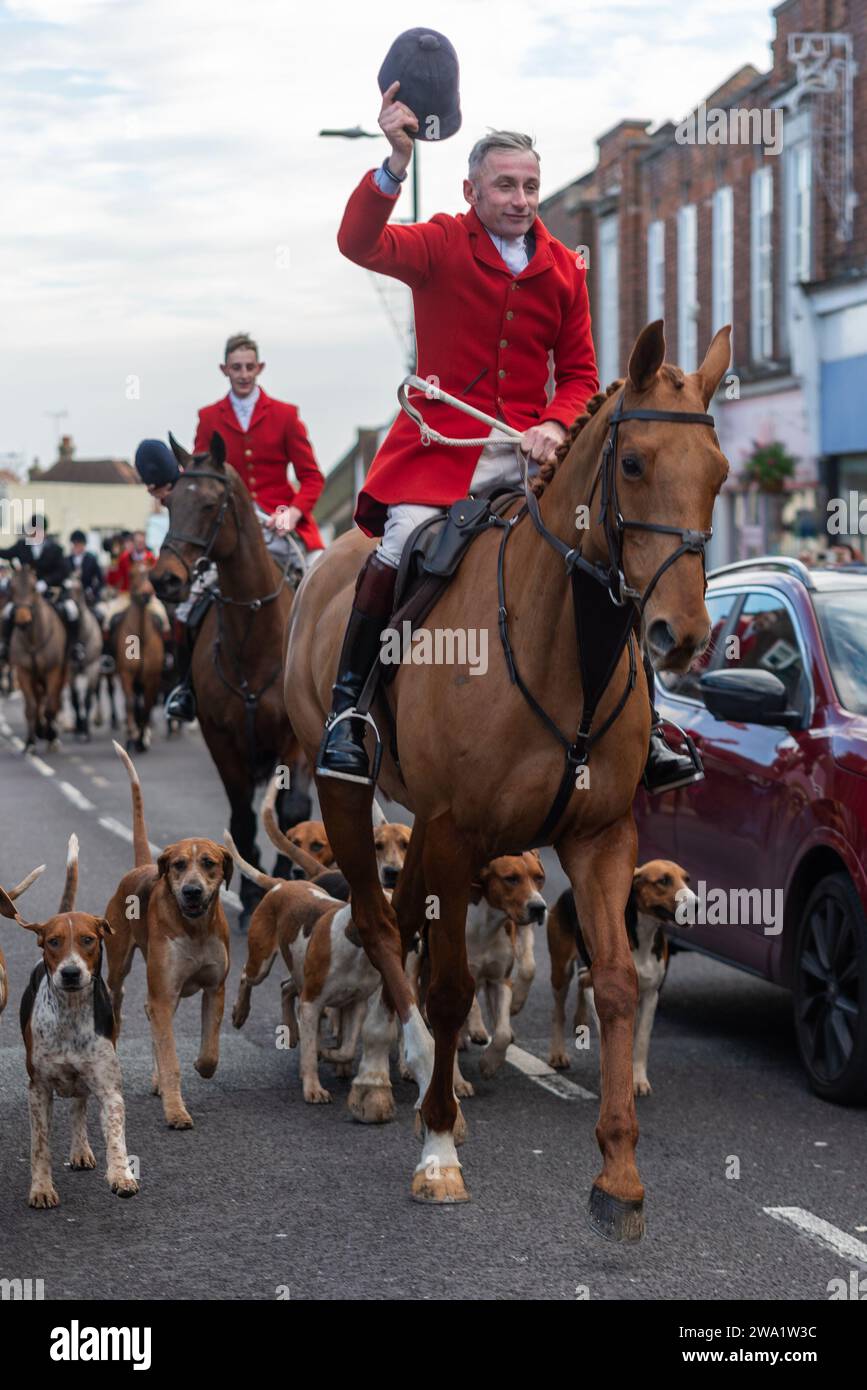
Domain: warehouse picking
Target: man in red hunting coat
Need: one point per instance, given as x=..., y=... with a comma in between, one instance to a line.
x=494, y=293
x=264, y=438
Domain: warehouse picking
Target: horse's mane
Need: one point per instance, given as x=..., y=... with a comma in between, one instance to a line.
x=547, y=470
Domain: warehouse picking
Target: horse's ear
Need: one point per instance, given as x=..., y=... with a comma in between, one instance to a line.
x=715, y=364
x=218, y=449
x=648, y=355
x=180, y=453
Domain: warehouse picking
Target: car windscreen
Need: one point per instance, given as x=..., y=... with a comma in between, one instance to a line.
x=843, y=623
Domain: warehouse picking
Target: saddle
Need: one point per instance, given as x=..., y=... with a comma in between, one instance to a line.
x=431, y=558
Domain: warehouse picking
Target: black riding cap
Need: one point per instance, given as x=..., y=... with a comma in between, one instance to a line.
x=155, y=463
x=426, y=65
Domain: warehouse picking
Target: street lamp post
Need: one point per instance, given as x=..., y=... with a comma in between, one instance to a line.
x=356, y=133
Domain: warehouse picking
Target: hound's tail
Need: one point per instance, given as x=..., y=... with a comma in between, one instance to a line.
x=305, y=861
x=70, y=887
x=25, y=883
x=249, y=870
x=141, y=847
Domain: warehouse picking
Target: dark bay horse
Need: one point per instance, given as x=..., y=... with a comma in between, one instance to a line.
x=140, y=651
x=479, y=766
x=238, y=657
x=37, y=655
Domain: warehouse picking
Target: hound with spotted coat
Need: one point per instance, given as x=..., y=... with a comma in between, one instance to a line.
x=70, y=1033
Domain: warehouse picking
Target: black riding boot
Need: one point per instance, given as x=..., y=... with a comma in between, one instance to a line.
x=666, y=770
x=181, y=700
x=6, y=636
x=342, y=753
x=74, y=644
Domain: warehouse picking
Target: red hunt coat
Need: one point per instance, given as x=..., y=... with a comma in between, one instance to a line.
x=483, y=333
x=276, y=438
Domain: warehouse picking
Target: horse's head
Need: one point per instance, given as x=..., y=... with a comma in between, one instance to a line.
x=23, y=593
x=202, y=520
x=141, y=589
x=662, y=485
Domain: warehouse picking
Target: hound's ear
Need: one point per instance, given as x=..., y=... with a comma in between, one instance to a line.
x=479, y=883
x=8, y=909
x=715, y=364
x=180, y=453
x=228, y=867
x=538, y=862
x=163, y=863
x=476, y=893
x=7, y=906
x=647, y=357
x=218, y=450
x=104, y=927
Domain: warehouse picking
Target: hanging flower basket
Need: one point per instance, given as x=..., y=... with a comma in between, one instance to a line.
x=769, y=466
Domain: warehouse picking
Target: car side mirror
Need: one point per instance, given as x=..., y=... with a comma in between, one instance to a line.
x=749, y=697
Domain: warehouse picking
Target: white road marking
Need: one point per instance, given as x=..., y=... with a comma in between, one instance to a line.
x=539, y=1071
x=840, y=1242
x=100, y=781
x=124, y=831
x=17, y=743
x=41, y=766
x=75, y=796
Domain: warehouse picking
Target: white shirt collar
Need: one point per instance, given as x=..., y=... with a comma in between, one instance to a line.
x=244, y=407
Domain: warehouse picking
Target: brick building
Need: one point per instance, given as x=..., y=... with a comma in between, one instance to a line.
x=753, y=211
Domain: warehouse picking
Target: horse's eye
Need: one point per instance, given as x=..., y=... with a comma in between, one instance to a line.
x=631, y=466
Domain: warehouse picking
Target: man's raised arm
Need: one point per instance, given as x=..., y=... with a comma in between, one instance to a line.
x=406, y=253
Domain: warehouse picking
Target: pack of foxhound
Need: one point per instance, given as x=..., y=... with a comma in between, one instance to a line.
x=332, y=1006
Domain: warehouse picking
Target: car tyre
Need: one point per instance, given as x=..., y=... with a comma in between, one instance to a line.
x=830, y=991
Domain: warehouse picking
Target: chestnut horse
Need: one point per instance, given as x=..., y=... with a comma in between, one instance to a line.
x=37, y=655
x=140, y=650
x=480, y=767
x=238, y=656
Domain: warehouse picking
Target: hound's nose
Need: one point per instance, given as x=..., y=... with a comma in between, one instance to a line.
x=297, y=871
x=192, y=894
x=537, y=912
x=71, y=976
x=389, y=877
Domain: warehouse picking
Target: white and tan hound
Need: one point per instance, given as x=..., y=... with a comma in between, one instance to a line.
x=69, y=1034
x=658, y=887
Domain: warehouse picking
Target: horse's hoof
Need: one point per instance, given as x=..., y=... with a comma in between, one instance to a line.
x=438, y=1185
x=615, y=1219
x=371, y=1105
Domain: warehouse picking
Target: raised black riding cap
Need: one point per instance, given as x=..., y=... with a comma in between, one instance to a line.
x=155, y=463
x=426, y=65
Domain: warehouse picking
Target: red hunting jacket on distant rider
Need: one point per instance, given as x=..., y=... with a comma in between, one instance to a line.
x=276, y=437
x=482, y=331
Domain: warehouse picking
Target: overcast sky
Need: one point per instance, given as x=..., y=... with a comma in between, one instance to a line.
x=163, y=184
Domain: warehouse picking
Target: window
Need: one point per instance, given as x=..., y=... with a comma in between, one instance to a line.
x=723, y=258
x=687, y=297
x=655, y=271
x=761, y=256
x=764, y=639
x=686, y=684
x=843, y=620
x=800, y=175
x=609, y=313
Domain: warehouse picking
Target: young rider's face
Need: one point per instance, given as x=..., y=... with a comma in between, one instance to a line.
x=242, y=368
x=505, y=191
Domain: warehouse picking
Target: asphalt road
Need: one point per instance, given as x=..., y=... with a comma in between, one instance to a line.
x=269, y=1197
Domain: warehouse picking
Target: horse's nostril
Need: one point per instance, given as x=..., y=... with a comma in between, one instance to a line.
x=660, y=637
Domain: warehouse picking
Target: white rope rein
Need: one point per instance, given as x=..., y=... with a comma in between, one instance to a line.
x=434, y=393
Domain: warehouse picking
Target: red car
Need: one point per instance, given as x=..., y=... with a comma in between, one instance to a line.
x=777, y=831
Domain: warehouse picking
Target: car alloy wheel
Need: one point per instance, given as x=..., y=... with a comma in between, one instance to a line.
x=830, y=990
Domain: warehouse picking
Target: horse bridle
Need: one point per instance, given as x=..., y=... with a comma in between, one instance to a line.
x=613, y=522
x=207, y=545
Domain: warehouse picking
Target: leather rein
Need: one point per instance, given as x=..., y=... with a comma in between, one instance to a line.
x=629, y=602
